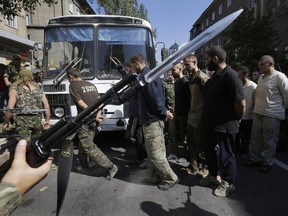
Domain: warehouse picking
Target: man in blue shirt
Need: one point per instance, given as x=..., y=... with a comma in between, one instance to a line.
x=152, y=114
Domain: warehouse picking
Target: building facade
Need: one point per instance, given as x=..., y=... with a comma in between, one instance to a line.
x=19, y=34
x=217, y=10
x=14, y=40
x=37, y=20
x=276, y=10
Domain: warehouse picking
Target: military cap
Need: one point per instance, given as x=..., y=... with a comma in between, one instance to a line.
x=25, y=73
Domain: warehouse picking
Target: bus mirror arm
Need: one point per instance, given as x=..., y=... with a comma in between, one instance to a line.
x=61, y=76
x=119, y=67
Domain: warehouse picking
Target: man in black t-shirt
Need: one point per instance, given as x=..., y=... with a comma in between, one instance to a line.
x=84, y=94
x=223, y=108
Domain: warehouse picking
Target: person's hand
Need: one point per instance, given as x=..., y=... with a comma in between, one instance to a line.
x=169, y=116
x=46, y=125
x=5, y=126
x=21, y=174
x=100, y=118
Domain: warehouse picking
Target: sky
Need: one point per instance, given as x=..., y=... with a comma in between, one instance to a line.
x=173, y=19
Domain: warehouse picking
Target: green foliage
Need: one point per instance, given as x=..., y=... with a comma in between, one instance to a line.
x=14, y=7
x=249, y=39
x=124, y=8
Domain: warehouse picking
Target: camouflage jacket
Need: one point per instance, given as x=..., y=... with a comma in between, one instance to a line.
x=10, y=198
x=26, y=99
x=169, y=93
x=13, y=73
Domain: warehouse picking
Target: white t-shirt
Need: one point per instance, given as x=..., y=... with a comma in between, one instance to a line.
x=249, y=91
x=271, y=96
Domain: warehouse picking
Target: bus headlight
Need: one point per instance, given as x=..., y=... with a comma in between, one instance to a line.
x=59, y=112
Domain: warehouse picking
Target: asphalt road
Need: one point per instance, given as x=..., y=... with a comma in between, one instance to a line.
x=257, y=194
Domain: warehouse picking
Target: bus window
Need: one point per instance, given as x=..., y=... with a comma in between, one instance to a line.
x=66, y=44
x=121, y=43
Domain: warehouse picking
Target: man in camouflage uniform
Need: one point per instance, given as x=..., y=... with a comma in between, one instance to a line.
x=26, y=96
x=169, y=94
x=84, y=93
x=12, y=71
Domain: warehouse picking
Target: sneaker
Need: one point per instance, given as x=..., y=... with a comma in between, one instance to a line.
x=224, y=189
x=191, y=170
x=112, y=172
x=165, y=185
x=172, y=157
x=203, y=172
x=181, y=160
x=210, y=180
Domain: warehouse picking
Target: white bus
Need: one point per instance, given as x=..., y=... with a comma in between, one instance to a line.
x=91, y=42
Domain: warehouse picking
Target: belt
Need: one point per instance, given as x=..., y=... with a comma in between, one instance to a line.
x=28, y=114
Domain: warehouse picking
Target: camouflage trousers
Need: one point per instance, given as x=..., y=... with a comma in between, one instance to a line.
x=28, y=126
x=158, y=167
x=88, y=148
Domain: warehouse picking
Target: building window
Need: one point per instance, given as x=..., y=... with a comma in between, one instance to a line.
x=71, y=6
x=220, y=9
x=11, y=21
x=213, y=16
x=219, y=42
x=229, y=2
x=207, y=22
x=202, y=26
x=27, y=19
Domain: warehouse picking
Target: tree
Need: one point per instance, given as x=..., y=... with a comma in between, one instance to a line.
x=14, y=8
x=124, y=8
x=249, y=39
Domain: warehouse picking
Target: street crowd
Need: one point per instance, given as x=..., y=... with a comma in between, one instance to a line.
x=214, y=114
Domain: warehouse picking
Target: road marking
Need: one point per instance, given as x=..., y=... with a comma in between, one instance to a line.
x=281, y=164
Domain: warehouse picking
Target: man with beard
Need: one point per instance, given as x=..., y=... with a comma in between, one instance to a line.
x=223, y=108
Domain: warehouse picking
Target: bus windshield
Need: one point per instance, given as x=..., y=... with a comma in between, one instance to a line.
x=121, y=43
x=74, y=47
x=69, y=46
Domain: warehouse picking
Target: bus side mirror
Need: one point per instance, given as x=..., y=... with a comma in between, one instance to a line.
x=164, y=54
